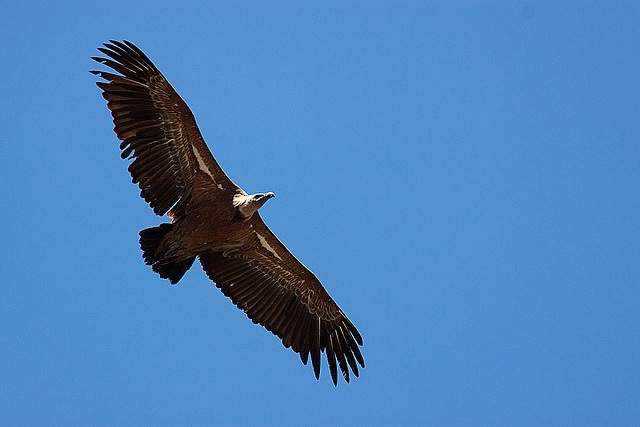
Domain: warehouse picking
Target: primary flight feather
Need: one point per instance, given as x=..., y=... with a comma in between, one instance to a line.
x=213, y=219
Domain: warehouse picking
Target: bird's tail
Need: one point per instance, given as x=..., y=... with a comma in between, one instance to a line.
x=163, y=263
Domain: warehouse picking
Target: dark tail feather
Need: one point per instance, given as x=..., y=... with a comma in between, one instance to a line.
x=150, y=239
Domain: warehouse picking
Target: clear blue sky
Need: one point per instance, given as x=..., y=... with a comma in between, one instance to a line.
x=463, y=178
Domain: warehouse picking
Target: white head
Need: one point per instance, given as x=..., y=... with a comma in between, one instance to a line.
x=247, y=205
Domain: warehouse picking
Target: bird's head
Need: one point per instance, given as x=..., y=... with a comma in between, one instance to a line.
x=261, y=198
x=247, y=205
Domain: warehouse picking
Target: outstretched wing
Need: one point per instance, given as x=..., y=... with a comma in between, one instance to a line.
x=157, y=129
x=275, y=290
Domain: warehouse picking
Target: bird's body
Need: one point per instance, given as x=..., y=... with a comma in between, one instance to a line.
x=213, y=219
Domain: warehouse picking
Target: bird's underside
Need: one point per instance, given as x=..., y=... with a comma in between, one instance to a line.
x=213, y=219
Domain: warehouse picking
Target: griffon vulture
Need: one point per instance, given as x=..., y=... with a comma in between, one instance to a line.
x=213, y=219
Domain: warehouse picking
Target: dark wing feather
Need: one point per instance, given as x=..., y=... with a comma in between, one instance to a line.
x=281, y=294
x=157, y=129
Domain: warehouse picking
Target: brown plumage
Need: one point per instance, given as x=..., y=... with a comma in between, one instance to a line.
x=214, y=220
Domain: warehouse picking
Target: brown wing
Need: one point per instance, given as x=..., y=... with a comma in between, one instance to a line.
x=157, y=129
x=275, y=290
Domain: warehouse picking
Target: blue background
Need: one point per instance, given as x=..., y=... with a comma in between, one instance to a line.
x=463, y=178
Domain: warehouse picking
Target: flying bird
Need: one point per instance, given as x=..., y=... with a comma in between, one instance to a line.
x=213, y=219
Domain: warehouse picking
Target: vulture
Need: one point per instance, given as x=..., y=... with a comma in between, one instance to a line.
x=213, y=219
